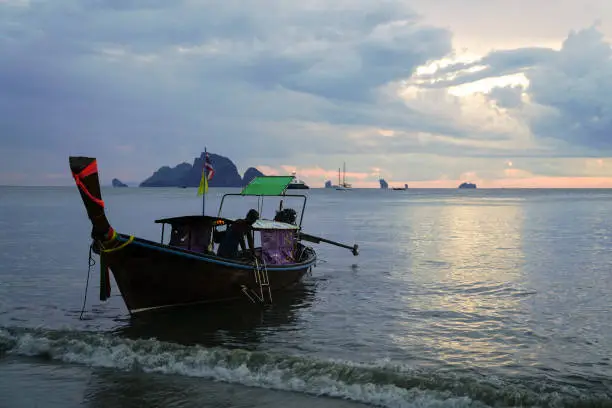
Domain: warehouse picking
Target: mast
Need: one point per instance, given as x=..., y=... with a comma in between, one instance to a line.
x=206, y=181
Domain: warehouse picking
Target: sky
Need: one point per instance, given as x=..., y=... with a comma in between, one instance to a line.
x=503, y=93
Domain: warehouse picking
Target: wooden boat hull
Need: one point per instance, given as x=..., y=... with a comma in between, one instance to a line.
x=150, y=276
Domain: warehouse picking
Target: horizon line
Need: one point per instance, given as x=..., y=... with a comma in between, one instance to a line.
x=327, y=188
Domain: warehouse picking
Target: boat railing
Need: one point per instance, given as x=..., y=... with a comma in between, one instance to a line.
x=277, y=239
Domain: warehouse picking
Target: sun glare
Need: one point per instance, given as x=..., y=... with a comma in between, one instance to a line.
x=434, y=66
x=428, y=72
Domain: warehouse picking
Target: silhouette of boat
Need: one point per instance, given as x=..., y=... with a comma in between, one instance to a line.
x=186, y=270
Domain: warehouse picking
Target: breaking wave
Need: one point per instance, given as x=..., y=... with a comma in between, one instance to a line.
x=383, y=384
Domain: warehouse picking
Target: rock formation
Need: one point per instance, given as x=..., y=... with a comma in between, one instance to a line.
x=467, y=185
x=250, y=174
x=118, y=183
x=188, y=175
x=168, y=176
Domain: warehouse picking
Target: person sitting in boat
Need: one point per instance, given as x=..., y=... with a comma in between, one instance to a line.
x=234, y=236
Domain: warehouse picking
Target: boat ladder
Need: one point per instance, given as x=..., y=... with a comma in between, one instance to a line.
x=261, y=279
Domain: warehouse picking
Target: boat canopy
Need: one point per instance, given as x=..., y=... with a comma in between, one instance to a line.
x=263, y=224
x=204, y=220
x=193, y=220
x=267, y=186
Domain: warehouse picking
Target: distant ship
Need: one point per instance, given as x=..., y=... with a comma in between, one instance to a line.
x=467, y=185
x=297, y=184
x=401, y=188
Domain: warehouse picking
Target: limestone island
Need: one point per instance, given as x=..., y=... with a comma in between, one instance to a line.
x=118, y=183
x=467, y=185
x=188, y=175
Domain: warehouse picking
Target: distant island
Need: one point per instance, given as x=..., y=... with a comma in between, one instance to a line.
x=118, y=183
x=188, y=175
x=467, y=185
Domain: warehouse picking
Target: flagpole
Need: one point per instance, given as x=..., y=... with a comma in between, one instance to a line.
x=206, y=178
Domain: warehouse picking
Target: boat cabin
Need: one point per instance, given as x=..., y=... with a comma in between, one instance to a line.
x=191, y=232
x=277, y=238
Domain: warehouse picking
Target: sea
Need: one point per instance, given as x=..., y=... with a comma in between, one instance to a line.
x=458, y=298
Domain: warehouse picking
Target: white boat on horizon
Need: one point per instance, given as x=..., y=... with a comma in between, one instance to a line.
x=343, y=185
x=297, y=184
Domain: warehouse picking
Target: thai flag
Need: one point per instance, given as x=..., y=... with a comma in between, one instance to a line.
x=209, y=168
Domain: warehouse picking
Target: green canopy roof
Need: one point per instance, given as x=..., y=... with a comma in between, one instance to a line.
x=267, y=185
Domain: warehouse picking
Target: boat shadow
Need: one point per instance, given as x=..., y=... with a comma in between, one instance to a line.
x=239, y=324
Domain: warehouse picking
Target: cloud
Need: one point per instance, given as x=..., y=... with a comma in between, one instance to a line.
x=169, y=77
x=140, y=84
x=495, y=64
x=567, y=99
x=507, y=97
x=573, y=90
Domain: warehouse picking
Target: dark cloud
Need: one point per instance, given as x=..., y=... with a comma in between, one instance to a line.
x=153, y=82
x=568, y=92
x=573, y=92
x=131, y=5
x=168, y=77
x=389, y=53
x=507, y=96
x=573, y=89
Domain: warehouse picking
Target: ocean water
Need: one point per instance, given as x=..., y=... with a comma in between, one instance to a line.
x=458, y=298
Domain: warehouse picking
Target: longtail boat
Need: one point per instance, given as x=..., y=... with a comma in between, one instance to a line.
x=186, y=269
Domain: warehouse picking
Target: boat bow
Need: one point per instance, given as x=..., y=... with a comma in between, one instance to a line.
x=85, y=173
